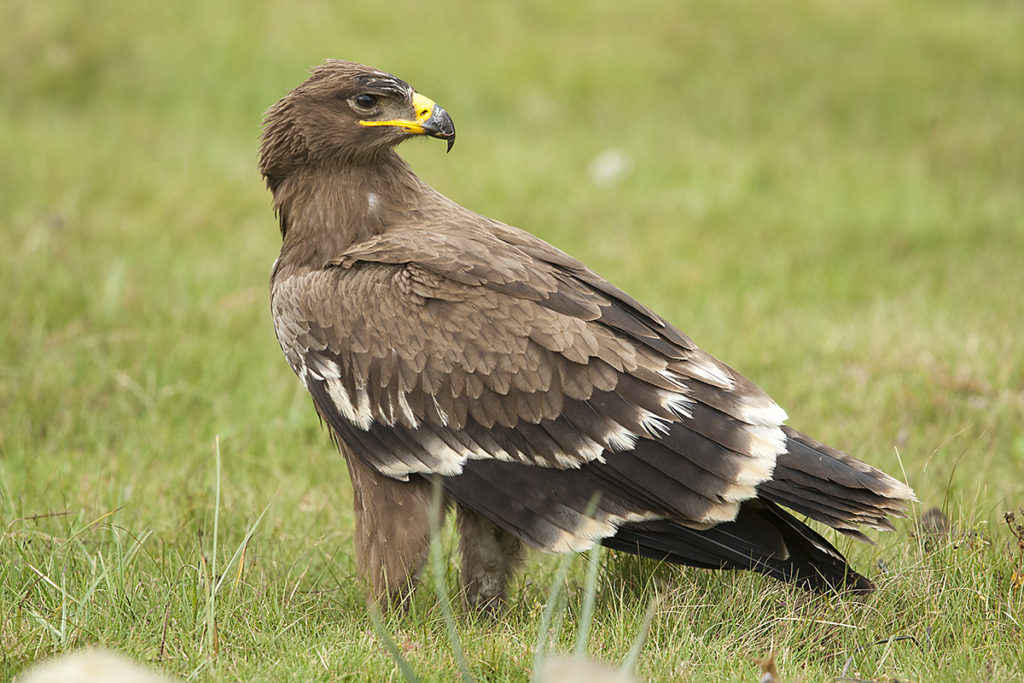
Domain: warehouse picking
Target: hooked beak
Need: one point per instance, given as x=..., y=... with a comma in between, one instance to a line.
x=430, y=120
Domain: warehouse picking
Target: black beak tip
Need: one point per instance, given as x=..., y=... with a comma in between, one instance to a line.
x=440, y=125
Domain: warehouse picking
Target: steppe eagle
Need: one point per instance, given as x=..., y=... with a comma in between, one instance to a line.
x=438, y=343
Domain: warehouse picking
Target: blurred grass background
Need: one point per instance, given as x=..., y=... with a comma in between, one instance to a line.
x=827, y=195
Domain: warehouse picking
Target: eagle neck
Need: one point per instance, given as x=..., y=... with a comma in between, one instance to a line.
x=324, y=210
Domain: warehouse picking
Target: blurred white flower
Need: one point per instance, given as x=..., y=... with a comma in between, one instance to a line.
x=609, y=167
x=92, y=666
x=580, y=670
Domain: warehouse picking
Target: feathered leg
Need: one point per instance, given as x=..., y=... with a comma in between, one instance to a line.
x=490, y=555
x=392, y=534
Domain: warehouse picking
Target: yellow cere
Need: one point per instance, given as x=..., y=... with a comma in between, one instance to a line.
x=424, y=106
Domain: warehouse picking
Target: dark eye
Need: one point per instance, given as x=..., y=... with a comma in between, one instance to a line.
x=365, y=101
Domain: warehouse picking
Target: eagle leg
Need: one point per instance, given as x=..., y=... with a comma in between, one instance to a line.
x=490, y=555
x=392, y=534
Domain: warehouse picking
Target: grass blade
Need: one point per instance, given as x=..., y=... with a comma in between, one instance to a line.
x=641, y=636
x=390, y=645
x=590, y=592
x=440, y=585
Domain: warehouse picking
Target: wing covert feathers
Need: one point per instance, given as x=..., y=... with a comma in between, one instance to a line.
x=417, y=383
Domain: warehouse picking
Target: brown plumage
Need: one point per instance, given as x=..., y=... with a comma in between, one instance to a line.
x=436, y=341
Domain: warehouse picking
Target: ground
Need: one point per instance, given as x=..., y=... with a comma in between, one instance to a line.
x=825, y=195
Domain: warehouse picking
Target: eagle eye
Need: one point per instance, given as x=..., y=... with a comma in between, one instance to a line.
x=365, y=101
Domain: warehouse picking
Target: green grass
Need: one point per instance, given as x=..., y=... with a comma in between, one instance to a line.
x=827, y=195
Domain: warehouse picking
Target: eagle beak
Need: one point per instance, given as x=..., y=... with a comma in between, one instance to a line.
x=430, y=120
x=434, y=120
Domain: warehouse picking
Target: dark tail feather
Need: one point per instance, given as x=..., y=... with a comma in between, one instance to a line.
x=763, y=538
x=832, y=487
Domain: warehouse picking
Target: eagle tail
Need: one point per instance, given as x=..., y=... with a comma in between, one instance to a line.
x=762, y=538
x=834, y=488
